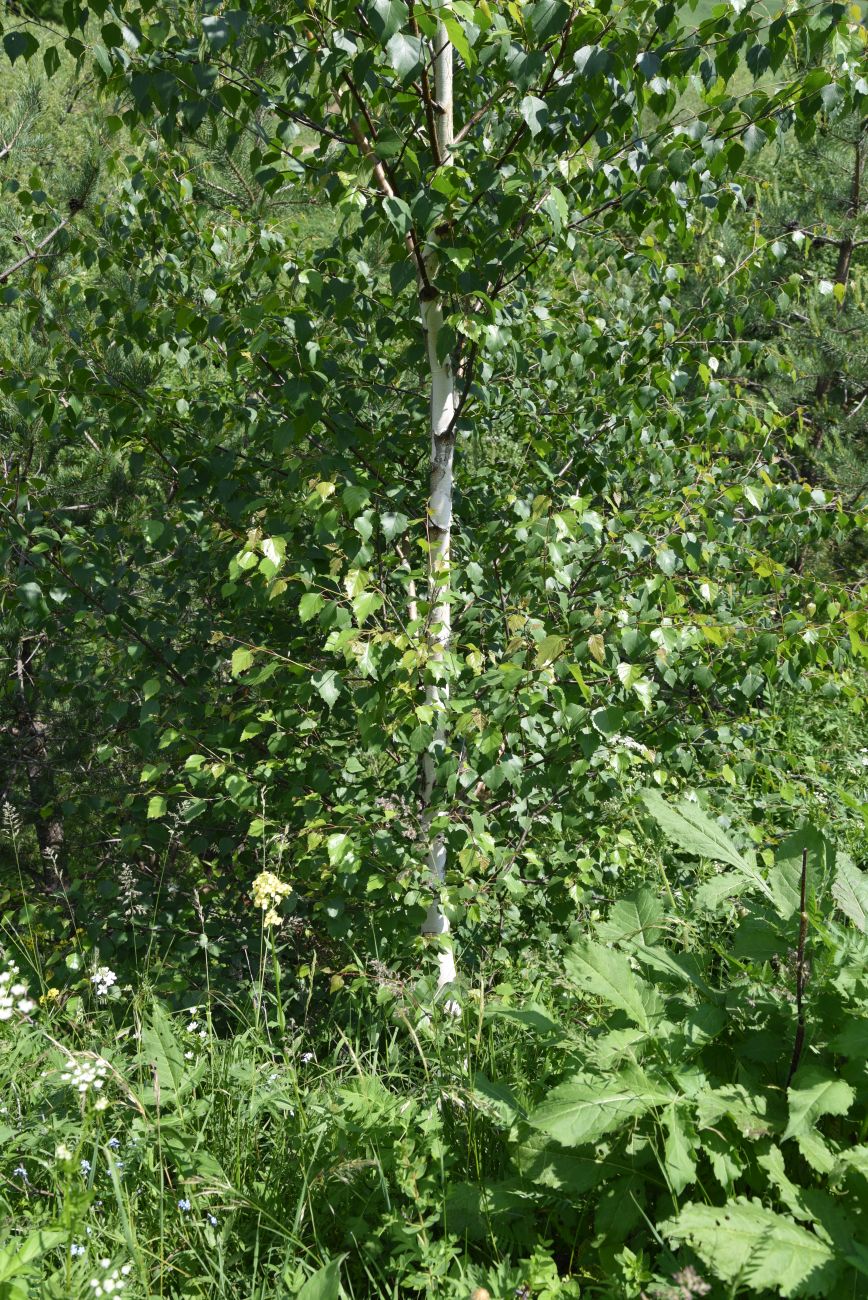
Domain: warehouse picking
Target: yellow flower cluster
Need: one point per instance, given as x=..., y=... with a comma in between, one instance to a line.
x=268, y=890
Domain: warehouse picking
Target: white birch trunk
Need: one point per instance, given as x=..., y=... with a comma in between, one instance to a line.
x=444, y=400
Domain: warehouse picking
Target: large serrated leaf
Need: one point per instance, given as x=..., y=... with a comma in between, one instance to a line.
x=588, y=1106
x=744, y=1242
x=695, y=833
x=637, y=918
x=850, y=892
x=608, y=974
x=815, y=1092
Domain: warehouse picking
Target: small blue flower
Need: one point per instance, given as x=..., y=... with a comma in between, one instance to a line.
x=184, y=1205
x=85, y=1167
x=75, y=1250
x=114, y=1143
x=212, y=1219
x=20, y=1172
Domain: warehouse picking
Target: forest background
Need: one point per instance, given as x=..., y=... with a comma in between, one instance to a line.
x=408, y=900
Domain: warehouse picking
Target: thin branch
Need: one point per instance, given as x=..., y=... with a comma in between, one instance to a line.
x=34, y=253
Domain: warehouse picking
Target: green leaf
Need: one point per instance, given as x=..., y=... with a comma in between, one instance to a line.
x=850, y=892
x=325, y=1284
x=638, y=918
x=310, y=605
x=531, y=1017
x=153, y=529
x=20, y=45
x=588, y=1106
x=547, y=17
x=16, y=1258
x=242, y=658
x=274, y=550
x=385, y=17
x=678, y=1152
x=156, y=807
x=162, y=1053
x=608, y=975
x=754, y=139
x=405, y=54
x=534, y=112
x=744, y=1242
x=694, y=832
x=815, y=1092
x=329, y=686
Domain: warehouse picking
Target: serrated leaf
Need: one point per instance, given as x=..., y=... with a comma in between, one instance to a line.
x=608, y=975
x=242, y=658
x=637, y=918
x=694, y=832
x=815, y=1092
x=310, y=605
x=678, y=1152
x=162, y=1053
x=329, y=686
x=274, y=549
x=850, y=892
x=744, y=1242
x=588, y=1106
x=597, y=648
x=547, y=650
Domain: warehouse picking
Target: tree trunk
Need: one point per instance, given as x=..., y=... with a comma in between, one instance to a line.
x=444, y=406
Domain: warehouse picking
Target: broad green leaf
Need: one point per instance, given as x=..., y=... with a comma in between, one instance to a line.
x=744, y=1242
x=588, y=1106
x=385, y=17
x=534, y=112
x=242, y=658
x=20, y=45
x=548, y=17
x=156, y=807
x=694, y=832
x=310, y=605
x=815, y=1092
x=325, y=1284
x=638, y=918
x=678, y=1151
x=162, y=1053
x=405, y=54
x=608, y=974
x=329, y=686
x=850, y=892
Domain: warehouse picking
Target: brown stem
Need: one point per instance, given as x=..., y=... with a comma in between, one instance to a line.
x=34, y=252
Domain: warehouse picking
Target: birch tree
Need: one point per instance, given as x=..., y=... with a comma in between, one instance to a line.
x=492, y=171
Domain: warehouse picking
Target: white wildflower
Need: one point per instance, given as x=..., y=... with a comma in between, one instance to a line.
x=85, y=1073
x=14, y=995
x=102, y=979
x=113, y=1280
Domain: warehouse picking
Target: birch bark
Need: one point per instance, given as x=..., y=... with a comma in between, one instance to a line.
x=443, y=411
